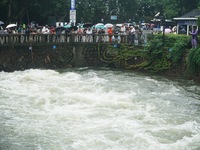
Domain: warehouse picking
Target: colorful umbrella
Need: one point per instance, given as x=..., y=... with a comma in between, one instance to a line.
x=99, y=26
x=67, y=26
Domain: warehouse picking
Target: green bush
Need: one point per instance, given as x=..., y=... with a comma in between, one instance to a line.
x=163, y=56
x=156, y=56
x=193, y=61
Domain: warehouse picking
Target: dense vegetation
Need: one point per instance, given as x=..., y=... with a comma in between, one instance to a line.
x=92, y=10
x=157, y=57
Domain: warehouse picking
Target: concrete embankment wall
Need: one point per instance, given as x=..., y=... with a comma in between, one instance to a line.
x=49, y=56
x=67, y=55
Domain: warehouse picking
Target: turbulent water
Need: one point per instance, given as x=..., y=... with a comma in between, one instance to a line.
x=89, y=109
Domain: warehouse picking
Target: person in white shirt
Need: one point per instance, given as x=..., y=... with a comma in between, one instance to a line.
x=123, y=32
x=89, y=35
x=132, y=35
x=45, y=30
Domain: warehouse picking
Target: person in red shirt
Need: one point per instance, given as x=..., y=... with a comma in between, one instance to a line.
x=52, y=30
x=110, y=34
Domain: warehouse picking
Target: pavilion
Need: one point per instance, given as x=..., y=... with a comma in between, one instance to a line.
x=185, y=22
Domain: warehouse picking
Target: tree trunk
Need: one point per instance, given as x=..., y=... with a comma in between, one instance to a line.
x=9, y=10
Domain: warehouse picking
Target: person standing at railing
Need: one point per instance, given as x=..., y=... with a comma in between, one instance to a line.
x=84, y=35
x=115, y=32
x=89, y=35
x=128, y=37
x=110, y=34
x=132, y=34
x=194, y=37
x=123, y=33
x=94, y=37
x=23, y=28
x=100, y=35
x=140, y=32
x=45, y=30
x=103, y=36
x=79, y=34
x=67, y=34
x=72, y=35
x=19, y=29
x=76, y=36
x=52, y=30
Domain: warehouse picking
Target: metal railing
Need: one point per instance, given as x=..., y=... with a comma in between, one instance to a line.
x=6, y=39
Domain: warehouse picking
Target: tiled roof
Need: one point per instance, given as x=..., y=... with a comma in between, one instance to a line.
x=192, y=14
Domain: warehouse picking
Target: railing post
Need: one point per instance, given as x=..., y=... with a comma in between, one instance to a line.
x=2, y=39
x=22, y=38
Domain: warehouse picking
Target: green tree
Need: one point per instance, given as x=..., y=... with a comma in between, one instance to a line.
x=93, y=11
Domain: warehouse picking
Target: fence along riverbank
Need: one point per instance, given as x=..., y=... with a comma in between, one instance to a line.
x=53, y=38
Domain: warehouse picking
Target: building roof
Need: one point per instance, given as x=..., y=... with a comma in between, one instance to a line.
x=192, y=14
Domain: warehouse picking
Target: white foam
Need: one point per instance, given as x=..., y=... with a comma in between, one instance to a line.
x=88, y=109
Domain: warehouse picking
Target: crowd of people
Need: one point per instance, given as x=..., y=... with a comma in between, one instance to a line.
x=122, y=34
x=130, y=34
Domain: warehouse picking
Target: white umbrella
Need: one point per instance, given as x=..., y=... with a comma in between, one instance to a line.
x=108, y=25
x=11, y=25
x=119, y=25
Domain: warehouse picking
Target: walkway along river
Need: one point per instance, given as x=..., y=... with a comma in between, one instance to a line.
x=89, y=109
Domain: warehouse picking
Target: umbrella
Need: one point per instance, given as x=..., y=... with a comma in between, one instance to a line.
x=108, y=25
x=1, y=22
x=11, y=25
x=119, y=25
x=80, y=25
x=132, y=24
x=86, y=25
x=60, y=28
x=99, y=26
x=73, y=27
x=67, y=26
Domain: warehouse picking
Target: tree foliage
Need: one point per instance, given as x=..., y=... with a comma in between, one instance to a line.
x=92, y=11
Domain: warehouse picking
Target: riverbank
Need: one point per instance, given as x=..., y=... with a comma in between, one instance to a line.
x=173, y=58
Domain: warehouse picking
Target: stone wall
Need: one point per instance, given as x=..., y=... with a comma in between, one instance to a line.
x=67, y=55
x=49, y=56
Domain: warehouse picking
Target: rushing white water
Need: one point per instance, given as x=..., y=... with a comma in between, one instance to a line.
x=87, y=109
